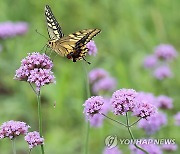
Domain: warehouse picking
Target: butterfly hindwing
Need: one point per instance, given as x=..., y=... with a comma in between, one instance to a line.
x=53, y=27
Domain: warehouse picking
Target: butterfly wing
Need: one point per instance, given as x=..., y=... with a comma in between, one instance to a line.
x=76, y=43
x=53, y=27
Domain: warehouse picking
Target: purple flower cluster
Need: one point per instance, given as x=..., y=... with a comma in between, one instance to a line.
x=165, y=102
x=12, y=129
x=154, y=123
x=34, y=139
x=123, y=100
x=101, y=81
x=36, y=68
x=93, y=106
x=114, y=150
x=97, y=119
x=177, y=119
x=163, y=54
x=11, y=29
x=150, y=148
x=169, y=147
x=92, y=49
x=150, y=61
x=162, y=72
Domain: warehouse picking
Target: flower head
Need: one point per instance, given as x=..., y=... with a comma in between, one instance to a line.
x=34, y=139
x=150, y=148
x=93, y=106
x=154, y=123
x=165, y=52
x=169, y=147
x=92, y=49
x=165, y=102
x=10, y=29
x=12, y=129
x=36, y=68
x=104, y=84
x=123, y=100
x=150, y=61
x=177, y=119
x=162, y=72
x=97, y=74
x=114, y=150
x=97, y=119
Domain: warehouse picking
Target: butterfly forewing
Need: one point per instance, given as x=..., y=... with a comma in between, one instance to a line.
x=53, y=27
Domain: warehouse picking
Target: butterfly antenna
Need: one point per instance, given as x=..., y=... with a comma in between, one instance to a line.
x=86, y=61
x=41, y=34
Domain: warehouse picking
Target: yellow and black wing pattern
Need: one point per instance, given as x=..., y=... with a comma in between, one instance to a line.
x=53, y=27
x=74, y=45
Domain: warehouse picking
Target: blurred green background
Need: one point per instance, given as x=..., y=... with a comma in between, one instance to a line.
x=130, y=30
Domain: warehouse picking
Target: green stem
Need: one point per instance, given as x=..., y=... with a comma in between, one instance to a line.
x=88, y=95
x=132, y=137
x=114, y=120
x=40, y=118
x=13, y=146
x=135, y=122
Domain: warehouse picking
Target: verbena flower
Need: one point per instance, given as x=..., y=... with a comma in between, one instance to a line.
x=165, y=102
x=150, y=148
x=97, y=119
x=154, y=123
x=93, y=106
x=123, y=100
x=162, y=72
x=92, y=49
x=165, y=52
x=12, y=129
x=144, y=109
x=96, y=74
x=114, y=150
x=36, y=68
x=150, y=61
x=177, y=119
x=104, y=85
x=169, y=147
x=11, y=29
x=34, y=139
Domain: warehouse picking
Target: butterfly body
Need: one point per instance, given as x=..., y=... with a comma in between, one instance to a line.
x=72, y=46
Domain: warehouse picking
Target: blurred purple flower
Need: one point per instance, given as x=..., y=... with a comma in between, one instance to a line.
x=36, y=68
x=123, y=100
x=169, y=147
x=162, y=72
x=92, y=49
x=165, y=102
x=165, y=52
x=177, y=119
x=150, y=61
x=12, y=129
x=143, y=108
x=114, y=150
x=149, y=97
x=97, y=119
x=10, y=29
x=154, y=123
x=34, y=139
x=97, y=74
x=150, y=148
x=105, y=84
x=93, y=106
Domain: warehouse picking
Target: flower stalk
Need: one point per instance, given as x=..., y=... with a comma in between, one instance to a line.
x=13, y=146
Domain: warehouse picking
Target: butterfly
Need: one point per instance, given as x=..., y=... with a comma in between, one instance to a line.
x=72, y=46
